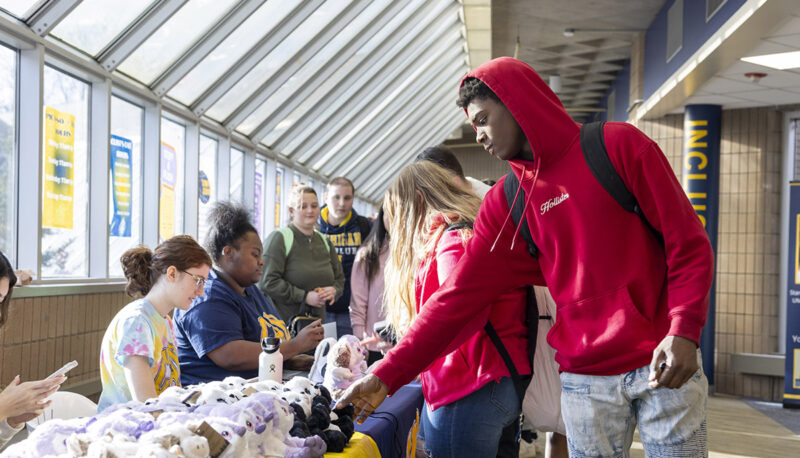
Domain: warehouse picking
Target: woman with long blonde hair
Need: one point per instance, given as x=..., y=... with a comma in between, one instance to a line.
x=469, y=395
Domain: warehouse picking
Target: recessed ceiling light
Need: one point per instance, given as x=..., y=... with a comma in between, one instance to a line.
x=780, y=61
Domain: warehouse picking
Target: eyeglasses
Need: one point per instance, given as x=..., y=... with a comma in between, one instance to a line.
x=198, y=280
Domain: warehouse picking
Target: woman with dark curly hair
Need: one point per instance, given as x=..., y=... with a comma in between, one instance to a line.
x=138, y=358
x=220, y=335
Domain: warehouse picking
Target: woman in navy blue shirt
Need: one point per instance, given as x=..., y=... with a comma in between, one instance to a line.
x=220, y=334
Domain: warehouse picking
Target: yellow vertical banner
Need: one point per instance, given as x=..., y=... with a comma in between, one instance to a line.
x=58, y=169
x=166, y=201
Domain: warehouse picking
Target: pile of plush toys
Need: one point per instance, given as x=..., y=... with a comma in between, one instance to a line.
x=258, y=419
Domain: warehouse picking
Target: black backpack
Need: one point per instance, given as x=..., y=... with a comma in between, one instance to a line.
x=596, y=155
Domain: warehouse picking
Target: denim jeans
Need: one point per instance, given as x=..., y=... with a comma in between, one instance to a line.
x=342, y=321
x=601, y=412
x=471, y=426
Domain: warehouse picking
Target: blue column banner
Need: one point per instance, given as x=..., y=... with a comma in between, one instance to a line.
x=701, y=136
x=791, y=392
x=121, y=185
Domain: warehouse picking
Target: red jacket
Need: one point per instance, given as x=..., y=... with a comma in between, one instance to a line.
x=475, y=362
x=618, y=291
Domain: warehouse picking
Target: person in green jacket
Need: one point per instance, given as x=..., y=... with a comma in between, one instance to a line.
x=302, y=272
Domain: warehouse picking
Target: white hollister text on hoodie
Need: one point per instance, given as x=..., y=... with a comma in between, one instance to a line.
x=553, y=202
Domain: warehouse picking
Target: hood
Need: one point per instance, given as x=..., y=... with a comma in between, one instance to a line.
x=537, y=109
x=323, y=217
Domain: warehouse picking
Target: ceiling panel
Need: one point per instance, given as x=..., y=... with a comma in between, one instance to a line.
x=586, y=57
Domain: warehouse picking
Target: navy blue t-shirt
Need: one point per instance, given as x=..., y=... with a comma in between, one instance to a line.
x=220, y=316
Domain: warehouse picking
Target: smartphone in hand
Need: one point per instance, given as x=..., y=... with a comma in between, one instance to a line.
x=63, y=370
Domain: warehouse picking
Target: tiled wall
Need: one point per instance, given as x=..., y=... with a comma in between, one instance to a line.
x=43, y=333
x=748, y=241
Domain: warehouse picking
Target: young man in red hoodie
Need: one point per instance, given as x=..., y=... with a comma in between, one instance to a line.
x=630, y=308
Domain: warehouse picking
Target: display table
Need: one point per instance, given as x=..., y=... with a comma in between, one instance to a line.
x=390, y=424
x=360, y=446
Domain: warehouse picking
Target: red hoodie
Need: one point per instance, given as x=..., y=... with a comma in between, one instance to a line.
x=475, y=362
x=618, y=291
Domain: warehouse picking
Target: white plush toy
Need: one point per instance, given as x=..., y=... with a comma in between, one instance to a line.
x=346, y=365
x=173, y=394
x=302, y=385
x=233, y=433
x=265, y=386
x=212, y=394
x=234, y=382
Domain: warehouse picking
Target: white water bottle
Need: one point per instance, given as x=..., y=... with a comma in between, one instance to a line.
x=270, y=362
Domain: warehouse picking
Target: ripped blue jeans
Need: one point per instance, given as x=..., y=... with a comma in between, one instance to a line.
x=601, y=412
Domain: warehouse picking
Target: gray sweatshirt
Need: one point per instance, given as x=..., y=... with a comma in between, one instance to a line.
x=287, y=279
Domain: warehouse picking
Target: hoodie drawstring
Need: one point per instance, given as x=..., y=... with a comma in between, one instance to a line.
x=510, y=210
x=523, y=220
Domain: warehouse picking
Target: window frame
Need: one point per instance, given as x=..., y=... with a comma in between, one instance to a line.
x=96, y=242
x=139, y=203
x=12, y=253
x=33, y=53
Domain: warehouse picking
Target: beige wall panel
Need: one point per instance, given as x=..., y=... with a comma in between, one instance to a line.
x=748, y=238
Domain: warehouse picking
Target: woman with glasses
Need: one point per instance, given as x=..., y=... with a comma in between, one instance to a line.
x=138, y=357
x=220, y=335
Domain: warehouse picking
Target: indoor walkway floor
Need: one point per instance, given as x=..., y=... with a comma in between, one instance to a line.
x=739, y=427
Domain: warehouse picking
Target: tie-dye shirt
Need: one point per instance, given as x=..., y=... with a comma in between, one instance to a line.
x=137, y=330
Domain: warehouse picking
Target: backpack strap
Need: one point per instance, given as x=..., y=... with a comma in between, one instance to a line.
x=457, y=226
x=324, y=239
x=594, y=151
x=531, y=321
x=288, y=239
x=519, y=385
x=510, y=189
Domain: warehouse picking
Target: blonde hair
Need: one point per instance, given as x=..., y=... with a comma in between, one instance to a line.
x=296, y=194
x=421, y=191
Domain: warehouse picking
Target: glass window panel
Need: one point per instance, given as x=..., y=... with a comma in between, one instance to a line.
x=340, y=76
x=259, y=195
x=276, y=59
x=173, y=38
x=171, y=194
x=93, y=24
x=224, y=56
x=8, y=156
x=125, y=189
x=19, y=8
x=237, y=175
x=312, y=66
x=207, y=183
x=65, y=184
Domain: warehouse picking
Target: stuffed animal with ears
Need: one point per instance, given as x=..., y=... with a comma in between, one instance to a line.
x=48, y=439
x=176, y=439
x=122, y=422
x=231, y=432
x=346, y=364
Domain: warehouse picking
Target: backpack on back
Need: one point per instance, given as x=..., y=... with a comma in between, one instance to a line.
x=540, y=402
x=304, y=318
x=288, y=239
